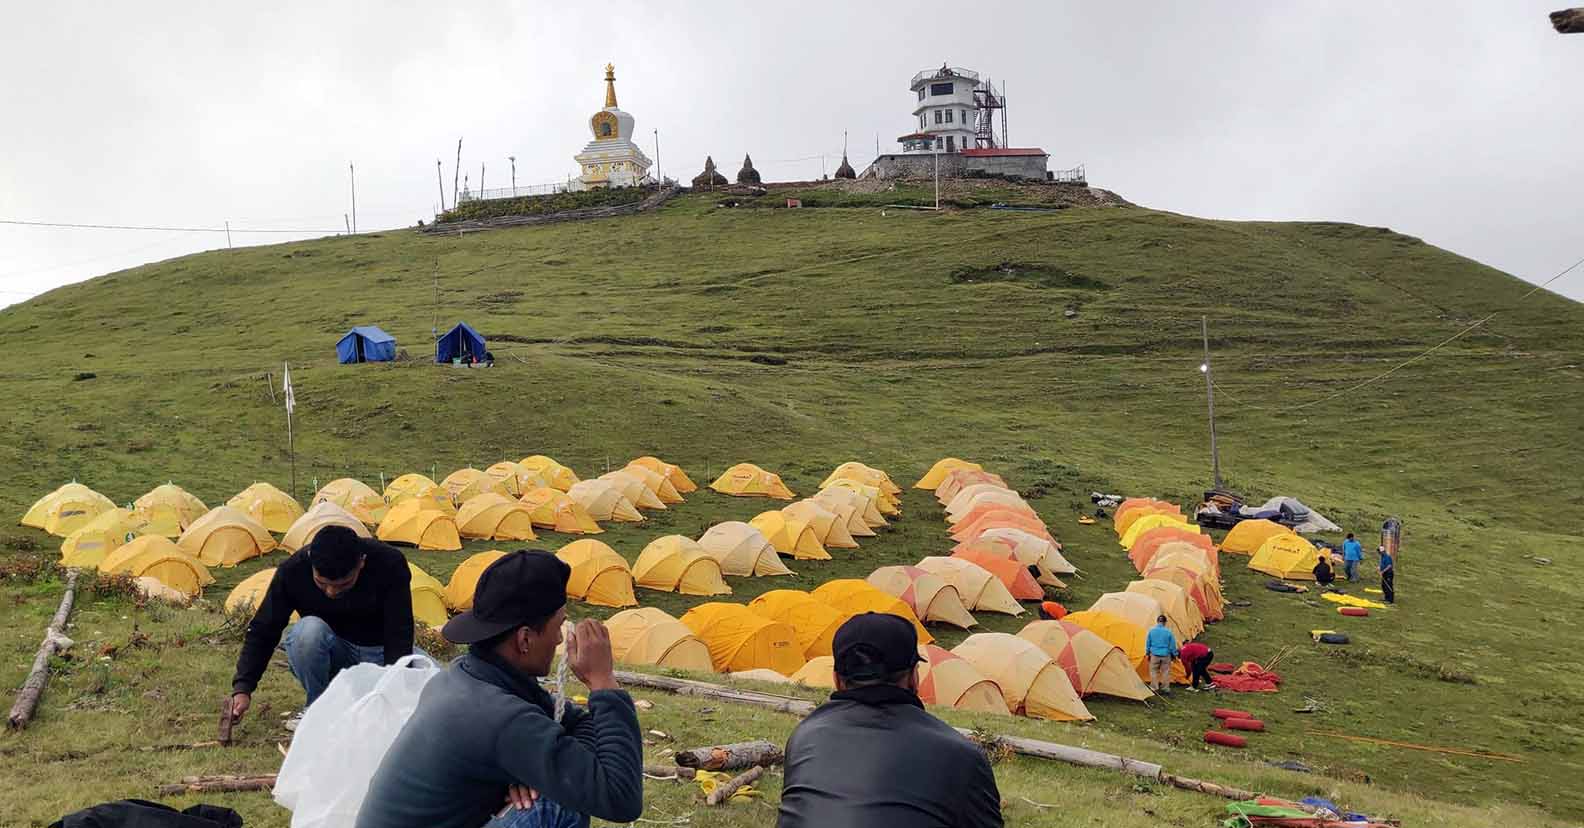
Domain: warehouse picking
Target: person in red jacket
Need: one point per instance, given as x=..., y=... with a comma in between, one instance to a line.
x=1196, y=659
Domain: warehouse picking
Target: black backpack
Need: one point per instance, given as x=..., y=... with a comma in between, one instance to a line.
x=139, y=813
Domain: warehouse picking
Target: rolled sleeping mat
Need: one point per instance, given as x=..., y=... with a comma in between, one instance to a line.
x=1354, y=612
x=1216, y=737
x=1228, y=713
x=1244, y=724
x=1333, y=638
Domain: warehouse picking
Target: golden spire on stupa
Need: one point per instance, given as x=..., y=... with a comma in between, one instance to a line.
x=610, y=86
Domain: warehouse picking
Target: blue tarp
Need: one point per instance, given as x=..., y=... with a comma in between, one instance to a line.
x=366, y=343
x=461, y=341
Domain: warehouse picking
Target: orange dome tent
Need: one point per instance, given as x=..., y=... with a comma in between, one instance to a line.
x=932, y=599
x=599, y=575
x=748, y=480
x=813, y=622
x=458, y=591
x=324, y=513
x=168, y=510
x=356, y=497
x=936, y=475
x=416, y=522
x=1031, y=683
x=675, y=563
x=740, y=549
x=492, y=516
x=225, y=536
x=1093, y=664
x=998, y=516
x=947, y=679
x=999, y=561
x=790, y=536
x=650, y=636
x=268, y=506
x=739, y=639
x=856, y=597
x=979, y=588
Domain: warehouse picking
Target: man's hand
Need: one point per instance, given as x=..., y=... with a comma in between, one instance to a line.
x=589, y=655
x=240, y=702
x=521, y=797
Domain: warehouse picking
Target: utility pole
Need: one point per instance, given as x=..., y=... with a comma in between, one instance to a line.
x=937, y=174
x=440, y=180
x=481, y=180
x=348, y=222
x=658, y=175
x=1215, y=454
x=228, y=235
x=513, y=160
x=456, y=173
x=352, y=174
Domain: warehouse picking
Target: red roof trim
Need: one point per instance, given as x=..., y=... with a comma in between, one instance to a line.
x=992, y=153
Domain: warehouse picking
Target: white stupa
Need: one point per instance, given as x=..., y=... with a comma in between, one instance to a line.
x=611, y=159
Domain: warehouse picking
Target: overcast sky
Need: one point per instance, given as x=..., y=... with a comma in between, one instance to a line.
x=1458, y=122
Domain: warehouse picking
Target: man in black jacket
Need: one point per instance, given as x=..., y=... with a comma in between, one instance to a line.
x=872, y=756
x=486, y=736
x=355, y=602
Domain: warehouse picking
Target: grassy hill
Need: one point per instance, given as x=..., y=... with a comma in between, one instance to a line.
x=1060, y=349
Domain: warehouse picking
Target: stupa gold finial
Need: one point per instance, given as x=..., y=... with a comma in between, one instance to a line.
x=610, y=86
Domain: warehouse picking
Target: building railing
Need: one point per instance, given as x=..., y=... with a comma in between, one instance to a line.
x=1072, y=176
x=512, y=192
x=944, y=73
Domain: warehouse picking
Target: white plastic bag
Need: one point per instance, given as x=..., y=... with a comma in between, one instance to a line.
x=342, y=738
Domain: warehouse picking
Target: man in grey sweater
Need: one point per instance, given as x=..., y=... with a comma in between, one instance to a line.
x=485, y=746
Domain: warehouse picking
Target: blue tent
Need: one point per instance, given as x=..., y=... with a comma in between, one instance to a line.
x=366, y=343
x=461, y=341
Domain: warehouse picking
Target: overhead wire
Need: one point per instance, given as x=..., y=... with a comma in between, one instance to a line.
x=76, y=226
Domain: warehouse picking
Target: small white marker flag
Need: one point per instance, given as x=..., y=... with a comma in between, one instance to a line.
x=291, y=398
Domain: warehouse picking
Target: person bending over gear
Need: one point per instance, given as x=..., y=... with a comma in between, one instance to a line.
x=1196, y=658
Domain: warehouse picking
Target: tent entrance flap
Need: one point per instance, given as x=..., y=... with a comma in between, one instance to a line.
x=461, y=342
x=366, y=343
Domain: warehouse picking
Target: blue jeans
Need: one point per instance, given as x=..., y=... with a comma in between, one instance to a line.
x=316, y=654
x=544, y=814
x=1351, y=568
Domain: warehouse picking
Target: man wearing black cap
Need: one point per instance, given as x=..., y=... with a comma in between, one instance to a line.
x=872, y=756
x=487, y=736
x=355, y=601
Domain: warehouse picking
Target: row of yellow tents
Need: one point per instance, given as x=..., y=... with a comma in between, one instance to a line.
x=1180, y=578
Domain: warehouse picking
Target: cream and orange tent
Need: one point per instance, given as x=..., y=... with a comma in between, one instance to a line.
x=101, y=536
x=154, y=556
x=856, y=597
x=979, y=588
x=632, y=487
x=556, y=510
x=679, y=479
x=1148, y=522
x=325, y=513
x=947, y=679
x=819, y=671
x=355, y=496
x=516, y=477
x=999, y=561
x=1147, y=545
x=560, y=477
x=599, y=575
x=741, y=549
x=428, y=597
x=1126, y=635
x=740, y=639
x=937, y=473
x=491, y=516
x=790, y=536
x=458, y=591
x=268, y=506
x=930, y=597
x=1190, y=555
x=465, y=484
x=813, y=622
x=1031, y=683
x=998, y=516
x=225, y=536
x=830, y=529
x=1031, y=549
x=854, y=470
x=1200, y=588
x=868, y=514
x=1093, y=664
x=66, y=509
x=676, y=563
x=414, y=486
x=657, y=484
x=887, y=504
x=648, y=635
x=248, y=595
x=1249, y=535
x=604, y=501
x=1181, y=612
x=1286, y=556
x=168, y=510
x=850, y=513
x=417, y=523
x=1008, y=501
x=963, y=502
x=1138, y=609
x=748, y=480
x=963, y=478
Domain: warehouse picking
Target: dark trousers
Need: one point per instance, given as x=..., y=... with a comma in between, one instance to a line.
x=1201, y=670
x=1389, y=585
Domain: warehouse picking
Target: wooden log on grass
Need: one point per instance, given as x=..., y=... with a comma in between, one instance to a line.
x=1569, y=21
x=731, y=757
x=219, y=784
x=664, y=772
x=55, y=640
x=725, y=790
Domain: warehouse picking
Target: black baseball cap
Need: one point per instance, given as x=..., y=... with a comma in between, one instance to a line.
x=522, y=586
x=874, y=645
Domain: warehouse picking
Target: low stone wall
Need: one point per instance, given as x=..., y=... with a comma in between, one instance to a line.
x=475, y=225
x=953, y=165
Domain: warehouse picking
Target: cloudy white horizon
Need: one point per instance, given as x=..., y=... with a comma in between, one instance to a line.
x=1457, y=122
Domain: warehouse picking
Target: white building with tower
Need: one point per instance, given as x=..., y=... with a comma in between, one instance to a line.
x=947, y=111
x=612, y=159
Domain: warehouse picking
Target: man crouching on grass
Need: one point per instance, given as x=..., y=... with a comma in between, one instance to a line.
x=484, y=746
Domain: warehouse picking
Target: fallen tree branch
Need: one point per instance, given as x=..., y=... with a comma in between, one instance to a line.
x=215, y=784
x=55, y=640
x=731, y=757
x=663, y=772
x=1204, y=787
x=725, y=790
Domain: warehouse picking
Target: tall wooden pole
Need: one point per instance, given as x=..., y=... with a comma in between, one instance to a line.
x=1215, y=454
x=440, y=180
x=352, y=175
x=456, y=173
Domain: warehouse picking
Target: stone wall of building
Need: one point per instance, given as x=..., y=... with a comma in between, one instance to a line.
x=953, y=165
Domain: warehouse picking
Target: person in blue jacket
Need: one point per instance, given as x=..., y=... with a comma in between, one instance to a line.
x=1388, y=573
x=1352, y=555
x=1161, y=646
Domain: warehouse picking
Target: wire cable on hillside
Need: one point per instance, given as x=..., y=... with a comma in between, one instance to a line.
x=72, y=226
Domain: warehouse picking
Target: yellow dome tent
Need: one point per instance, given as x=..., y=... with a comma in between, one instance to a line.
x=458, y=593
x=818, y=672
x=153, y=556
x=168, y=510
x=1182, y=614
x=428, y=598
x=632, y=487
x=978, y=587
x=516, y=477
x=268, y=506
x=67, y=509
x=555, y=510
x=1124, y=519
x=604, y=501
x=1093, y=664
x=887, y=505
x=763, y=674
x=932, y=599
x=748, y=480
x=856, y=597
x=415, y=486
x=655, y=482
x=463, y=485
x=867, y=517
x=415, y=522
x=741, y=549
x=599, y=575
x=1031, y=683
x=853, y=470
x=813, y=622
x=1148, y=522
x=829, y=528
x=937, y=473
x=678, y=478
x=675, y=563
x=648, y=635
x=790, y=536
x=101, y=536
x=560, y=477
x=1248, y=536
x=1286, y=556
x=492, y=516
x=739, y=639
x=947, y=679
x=225, y=536
x=356, y=497
x=1127, y=636
x=325, y=513
x=248, y=595
x=1137, y=609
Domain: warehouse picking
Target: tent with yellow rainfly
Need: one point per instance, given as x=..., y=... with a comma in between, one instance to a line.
x=465, y=484
x=1093, y=664
x=657, y=484
x=1182, y=614
x=937, y=473
x=740, y=549
x=101, y=536
x=1031, y=683
x=888, y=505
x=748, y=480
x=676, y=563
x=599, y=575
x=632, y=487
x=428, y=598
x=248, y=595
x=853, y=470
x=678, y=478
x=356, y=497
x=516, y=477
x=458, y=591
x=1124, y=519
x=419, y=487
x=868, y=517
x=739, y=639
x=66, y=509
x=1148, y=522
x=790, y=536
x=225, y=536
x=168, y=510
x=813, y=621
x=324, y=513
x=856, y=597
x=818, y=672
x=555, y=510
x=268, y=506
x=1248, y=536
x=153, y=556
x=829, y=528
x=979, y=588
x=604, y=501
x=1127, y=636
x=932, y=599
x=1286, y=556
x=416, y=523
x=560, y=477
x=947, y=679
x=648, y=635
x=492, y=516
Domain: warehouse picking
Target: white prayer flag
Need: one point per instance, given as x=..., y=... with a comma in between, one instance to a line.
x=291, y=398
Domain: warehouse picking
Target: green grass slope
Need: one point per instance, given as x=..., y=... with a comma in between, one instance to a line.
x=1060, y=349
